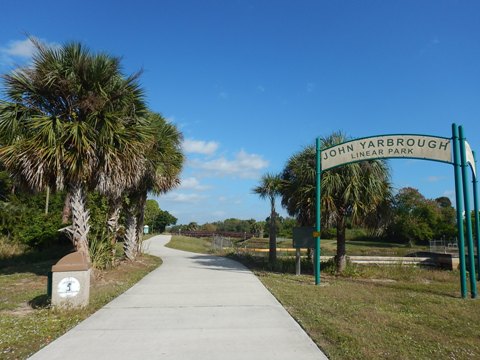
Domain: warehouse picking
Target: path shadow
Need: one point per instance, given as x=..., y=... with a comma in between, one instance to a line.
x=219, y=263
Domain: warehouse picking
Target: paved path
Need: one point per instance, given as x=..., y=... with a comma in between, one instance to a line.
x=197, y=307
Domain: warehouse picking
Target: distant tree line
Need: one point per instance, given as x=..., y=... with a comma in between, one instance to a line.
x=283, y=227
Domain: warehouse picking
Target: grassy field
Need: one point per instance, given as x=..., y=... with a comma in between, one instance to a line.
x=383, y=313
x=328, y=246
x=195, y=245
x=375, y=312
x=354, y=247
x=26, y=321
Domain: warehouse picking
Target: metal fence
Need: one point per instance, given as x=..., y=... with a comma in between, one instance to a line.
x=444, y=246
x=220, y=242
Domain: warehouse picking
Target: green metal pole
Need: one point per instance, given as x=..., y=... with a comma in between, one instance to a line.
x=318, y=214
x=458, y=199
x=468, y=217
x=477, y=221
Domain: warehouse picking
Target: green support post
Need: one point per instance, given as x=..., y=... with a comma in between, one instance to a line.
x=468, y=218
x=318, y=214
x=458, y=199
x=477, y=221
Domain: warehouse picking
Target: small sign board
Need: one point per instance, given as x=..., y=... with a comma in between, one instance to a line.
x=303, y=237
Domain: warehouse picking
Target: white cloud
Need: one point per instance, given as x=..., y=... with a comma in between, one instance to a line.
x=244, y=165
x=193, y=183
x=20, y=50
x=219, y=213
x=183, y=198
x=200, y=147
x=431, y=44
x=435, y=178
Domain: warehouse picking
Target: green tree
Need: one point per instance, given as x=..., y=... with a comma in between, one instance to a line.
x=163, y=163
x=209, y=227
x=23, y=219
x=446, y=227
x=352, y=191
x=270, y=188
x=72, y=120
x=413, y=218
x=418, y=220
x=287, y=225
x=151, y=211
x=192, y=226
x=162, y=220
x=257, y=228
x=5, y=185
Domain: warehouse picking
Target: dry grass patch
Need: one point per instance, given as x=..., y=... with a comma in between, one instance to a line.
x=383, y=313
x=26, y=321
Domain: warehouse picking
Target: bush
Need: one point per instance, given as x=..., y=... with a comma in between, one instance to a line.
x=41, y=230
x=9, y=249
x=329, y=267
x=328, y=233
x=100, y=253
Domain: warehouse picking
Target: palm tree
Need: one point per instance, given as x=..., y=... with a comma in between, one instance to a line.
x=269, y=188
x=163, y=163
x=354, y=191
x=73, y=122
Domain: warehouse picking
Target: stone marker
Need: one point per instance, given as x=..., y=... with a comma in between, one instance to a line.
x=71, y=281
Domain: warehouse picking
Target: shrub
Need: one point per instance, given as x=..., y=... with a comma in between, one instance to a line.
x=41, y=230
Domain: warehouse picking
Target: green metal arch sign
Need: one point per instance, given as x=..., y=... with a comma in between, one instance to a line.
x=454, y=150
x=388, y=146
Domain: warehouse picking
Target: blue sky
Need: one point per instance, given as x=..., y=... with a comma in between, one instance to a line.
x=249, y=83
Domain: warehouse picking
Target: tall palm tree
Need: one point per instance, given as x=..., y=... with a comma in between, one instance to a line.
x=164, y=162
x=269, y=188
x=354, y=191
x=73, y=121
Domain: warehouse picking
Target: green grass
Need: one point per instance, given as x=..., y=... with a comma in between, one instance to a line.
x=191, y=244
x=371, y=247
x=383, y=313
x=27, y=323
x=376, y=312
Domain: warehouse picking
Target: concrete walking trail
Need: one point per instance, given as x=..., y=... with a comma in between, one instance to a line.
x=194, y=306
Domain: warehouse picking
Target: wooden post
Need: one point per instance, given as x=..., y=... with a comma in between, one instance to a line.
x=298, y=261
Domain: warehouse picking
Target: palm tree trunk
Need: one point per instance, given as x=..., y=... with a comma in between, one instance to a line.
x=272, y=253
x=140, y=219
x=341, y=258
x=67, y=209
x=130, y=242
x=80, y=217
x=112, y=222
